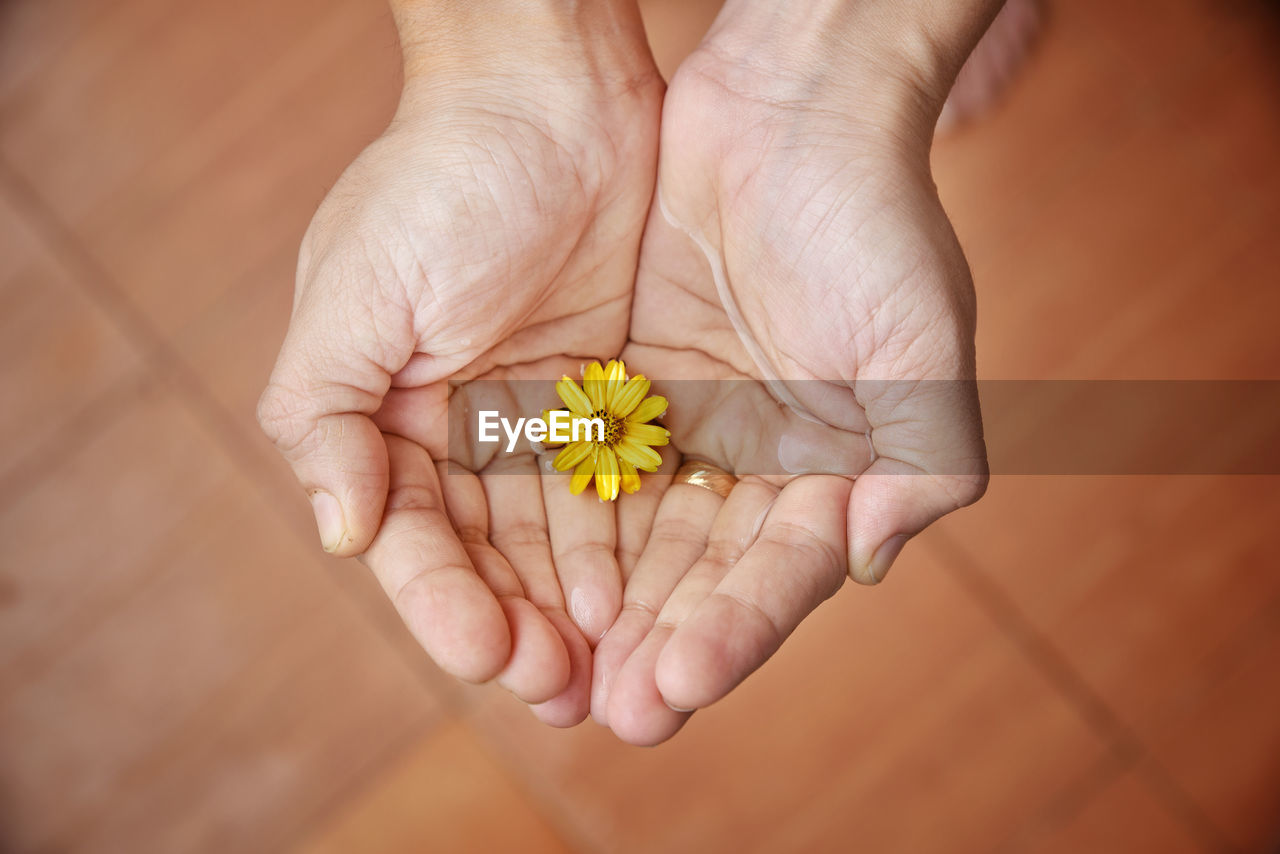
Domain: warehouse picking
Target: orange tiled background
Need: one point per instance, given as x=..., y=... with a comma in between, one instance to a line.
x=1075, y=664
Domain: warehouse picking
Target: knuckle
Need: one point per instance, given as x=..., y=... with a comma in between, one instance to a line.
x=808, y=547
x=472, y=534
x=276, y=414
x=721, y=554
x=411, y=497
x=628, y=555
x=284, y=416
x=589, y=552
x=519, y=535
x=677, y=534
x=762, y=617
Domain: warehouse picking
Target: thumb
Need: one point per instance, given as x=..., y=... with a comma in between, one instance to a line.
x=327, y=381
x=930, y=460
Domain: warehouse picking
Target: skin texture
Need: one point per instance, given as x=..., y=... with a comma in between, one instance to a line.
x=843, y=266
x=493, y=235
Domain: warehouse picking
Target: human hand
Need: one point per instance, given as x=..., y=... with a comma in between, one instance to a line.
x=844, y=312
x=490, y=233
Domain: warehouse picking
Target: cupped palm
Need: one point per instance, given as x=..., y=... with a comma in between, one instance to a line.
x=798, y=267
x=488, y=235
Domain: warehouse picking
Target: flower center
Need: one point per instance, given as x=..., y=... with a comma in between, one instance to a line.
x=612, y=427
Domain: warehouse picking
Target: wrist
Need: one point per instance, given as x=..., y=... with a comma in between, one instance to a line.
x=512, y=38
x=893, y=62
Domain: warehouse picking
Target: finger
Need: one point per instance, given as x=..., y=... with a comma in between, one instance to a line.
x=518, y=527
x=676, y=540
x=796, y=562
x=735, y=527
x=316, y=410
x=425, y=570
x=636, y=711
x=538, y=668
x=569, y=707
x=634, y=708
x=635, y=514
x=626, y=633
x=930, y=461
x=583, y=535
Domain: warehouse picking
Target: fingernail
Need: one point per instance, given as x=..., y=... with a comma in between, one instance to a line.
x=677, y=708
x=885, y=556
x=329, y=519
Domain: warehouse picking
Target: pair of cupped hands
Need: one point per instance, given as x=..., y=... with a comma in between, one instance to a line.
x=533, y=208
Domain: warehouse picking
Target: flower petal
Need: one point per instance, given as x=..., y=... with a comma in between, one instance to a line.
x=546, y=417
x=607, y=474
x=641, y=456
x=649, y=410
x=647, y=434
x=629, y=396
x=582, y=475
x=593, y=384
x=630, y=479
x=574, y=397
x=564, y=436
x=615, y=375
x=572, y=455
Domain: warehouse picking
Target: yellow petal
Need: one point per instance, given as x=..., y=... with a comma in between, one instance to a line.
x=593, y=384
x=649, y=410
x=641, y=456
x=560, y=433
x=546, y=416
x=582, y=475
x=607, y=476
x=647, y=434
x=630, y=480
x=629, y=396
x=573, y=397
x=572, y=455
x=615, y=375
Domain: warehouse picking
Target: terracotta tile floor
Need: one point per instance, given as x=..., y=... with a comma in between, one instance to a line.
x=1075, y=664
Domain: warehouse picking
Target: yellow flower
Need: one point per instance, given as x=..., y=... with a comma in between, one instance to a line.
x=627, y=447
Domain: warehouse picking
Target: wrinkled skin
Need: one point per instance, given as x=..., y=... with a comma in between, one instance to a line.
x=846, y=274
x=494, y=233
x=491, y=233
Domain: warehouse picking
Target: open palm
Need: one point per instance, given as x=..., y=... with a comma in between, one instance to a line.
x=802, y=292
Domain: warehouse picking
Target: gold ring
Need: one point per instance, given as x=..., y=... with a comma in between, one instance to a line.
x=714, y=478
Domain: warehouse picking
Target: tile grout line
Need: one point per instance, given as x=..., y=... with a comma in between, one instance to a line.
x=1041, y=652
x=453, y=710
x=548, y=808
x=469, y=711
x=547, y=805
x=293, y=839
x=25, y=666
x=164, y=364
x=103, y=409
x=1181, y=804
x=1014, y=623
x=1069, y=802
